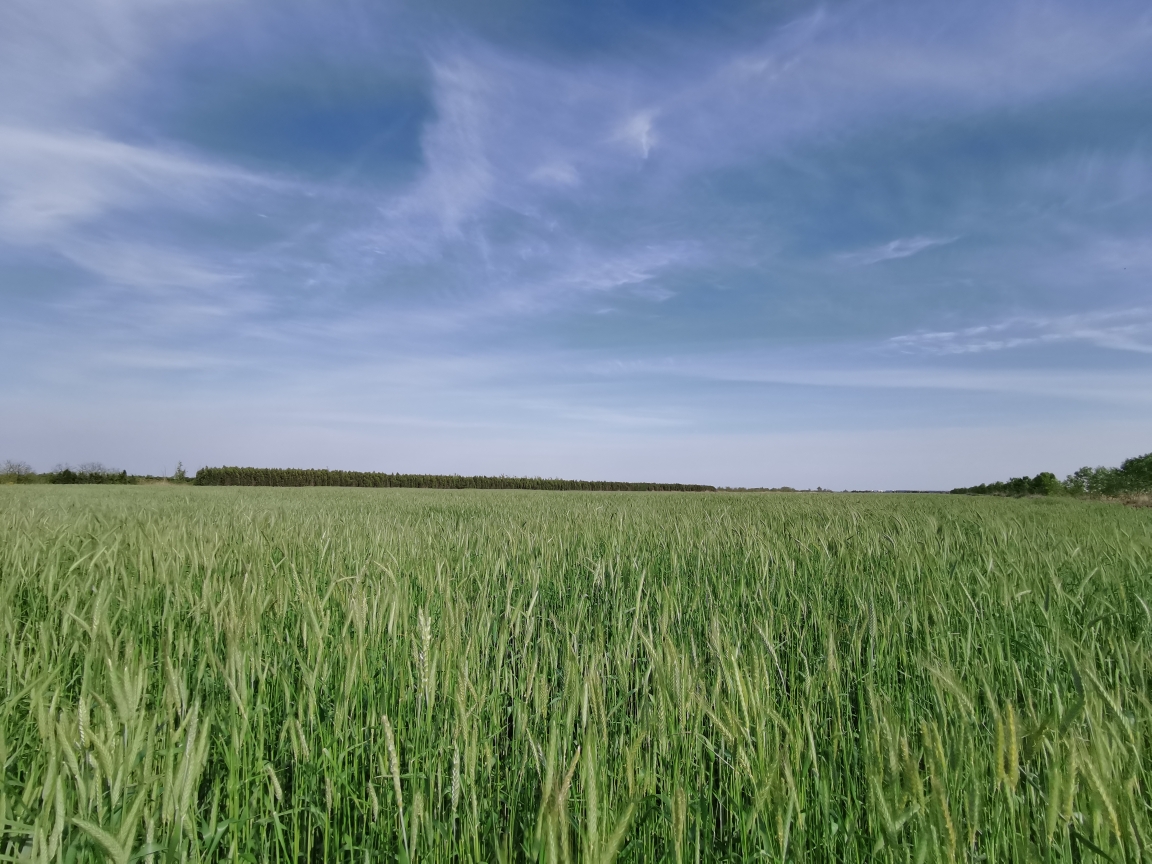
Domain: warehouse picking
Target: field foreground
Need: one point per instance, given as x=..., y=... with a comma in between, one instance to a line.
x=381, y=675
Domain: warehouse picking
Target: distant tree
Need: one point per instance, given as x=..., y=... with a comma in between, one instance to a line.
x=1092, y=481
x=180, y=476
x=1077, y=482
x=16, y=472
x=1136, y=473
x=1133, y=475
x=1044, y=483
x=90, y=472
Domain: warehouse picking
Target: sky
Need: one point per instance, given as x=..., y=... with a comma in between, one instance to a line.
x=857, y=245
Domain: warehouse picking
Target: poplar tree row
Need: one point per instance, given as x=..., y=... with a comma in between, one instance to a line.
x=234, y=476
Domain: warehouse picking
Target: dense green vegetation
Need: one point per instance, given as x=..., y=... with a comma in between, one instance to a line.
x=1133, y=477
x=377, y=480
x=67, y=475
x=1044, y=483
x=88, y=474
x=198, y=674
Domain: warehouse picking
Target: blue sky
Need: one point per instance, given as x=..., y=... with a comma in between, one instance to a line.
x=850, y=244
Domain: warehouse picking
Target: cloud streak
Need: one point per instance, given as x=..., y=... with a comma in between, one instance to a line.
x=50, y=182
x=1126, y=330
x=904, y=247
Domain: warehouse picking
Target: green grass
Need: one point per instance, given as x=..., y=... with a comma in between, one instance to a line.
x=279, y=675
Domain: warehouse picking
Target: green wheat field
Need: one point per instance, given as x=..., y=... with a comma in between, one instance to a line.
x=414, y=675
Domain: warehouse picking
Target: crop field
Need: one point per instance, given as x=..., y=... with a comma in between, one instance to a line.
x=209, y=674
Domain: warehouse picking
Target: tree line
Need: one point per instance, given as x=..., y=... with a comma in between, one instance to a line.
x=1133, y=477
x=90, y=472
x=233, y=476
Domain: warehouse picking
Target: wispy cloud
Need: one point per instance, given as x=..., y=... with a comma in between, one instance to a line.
x=638, y=131
x=64, y=59
x=50, y=181
x=1126, y=330
x=147, y=267
x=904, y=247
x=557, y=173
x=457, y=180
